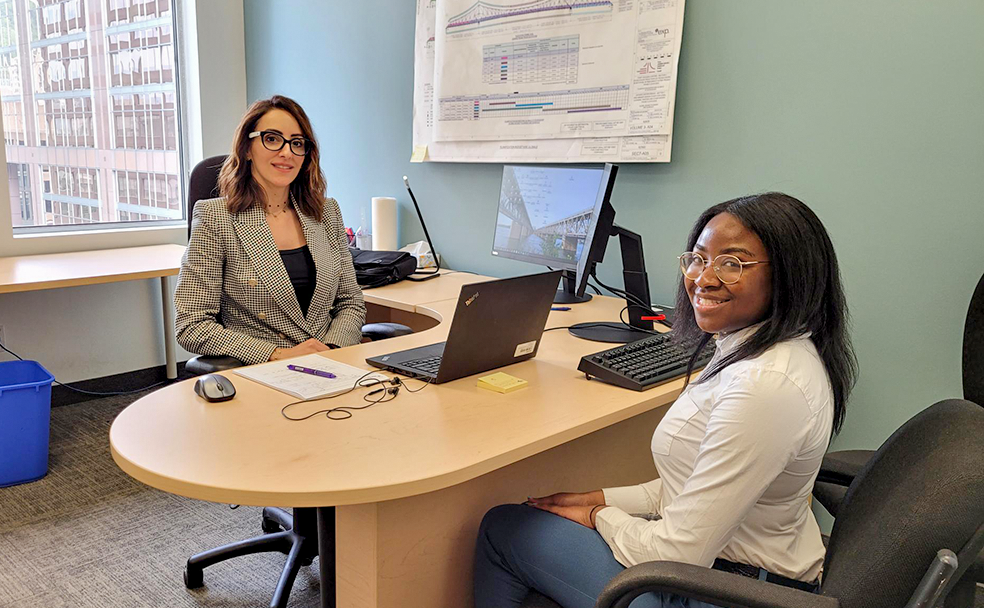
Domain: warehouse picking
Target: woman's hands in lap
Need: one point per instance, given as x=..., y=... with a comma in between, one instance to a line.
x=574, y=506
x=571, y=499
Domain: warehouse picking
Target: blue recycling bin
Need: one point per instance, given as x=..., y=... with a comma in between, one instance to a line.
x=25, y=413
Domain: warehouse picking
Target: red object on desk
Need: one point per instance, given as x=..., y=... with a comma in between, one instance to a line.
x=654, y=318
x=350, y=235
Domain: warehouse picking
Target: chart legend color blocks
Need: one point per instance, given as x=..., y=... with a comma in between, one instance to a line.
x=547, y=61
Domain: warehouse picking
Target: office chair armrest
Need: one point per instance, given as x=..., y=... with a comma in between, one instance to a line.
x=843, y=466
x=976, y=570
x=830, y=495
x=382, y=331
x=713, y=586
x=209, y=365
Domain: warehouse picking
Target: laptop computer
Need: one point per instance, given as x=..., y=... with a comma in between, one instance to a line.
x=495, y=323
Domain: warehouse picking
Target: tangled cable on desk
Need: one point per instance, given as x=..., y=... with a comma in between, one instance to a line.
x=344, y=412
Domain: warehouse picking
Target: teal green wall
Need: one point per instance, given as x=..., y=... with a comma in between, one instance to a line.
x=871, y=112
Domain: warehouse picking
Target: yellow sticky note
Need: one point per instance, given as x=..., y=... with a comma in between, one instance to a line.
x=501, y=383
x=419, y=154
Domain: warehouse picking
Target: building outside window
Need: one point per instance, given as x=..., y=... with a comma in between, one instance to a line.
x=89, y=98
x=19, y=178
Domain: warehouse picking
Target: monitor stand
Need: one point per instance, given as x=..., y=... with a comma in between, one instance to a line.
x=604, y=331
x=566, y=295
x=636, y=286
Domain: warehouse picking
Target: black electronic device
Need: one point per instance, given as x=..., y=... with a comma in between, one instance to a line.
x=426, y=274
x=214, y=387
x=636, y=283
x=546, y=215
x=644, y=363
x=495, y=323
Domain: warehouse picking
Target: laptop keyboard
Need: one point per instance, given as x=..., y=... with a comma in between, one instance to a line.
x=427, y=365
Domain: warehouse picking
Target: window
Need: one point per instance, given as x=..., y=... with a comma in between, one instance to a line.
x=20, y=194
x=145, y=121
x=71, y=194
x=90, y=116
x=147, y=196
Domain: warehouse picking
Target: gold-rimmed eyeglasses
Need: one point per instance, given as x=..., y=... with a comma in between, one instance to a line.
x=727, y=267
x=274, y=142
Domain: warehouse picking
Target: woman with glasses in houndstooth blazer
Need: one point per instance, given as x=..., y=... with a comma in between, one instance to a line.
x=267, y=273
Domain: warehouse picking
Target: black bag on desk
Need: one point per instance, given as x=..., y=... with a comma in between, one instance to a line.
x=378, y=268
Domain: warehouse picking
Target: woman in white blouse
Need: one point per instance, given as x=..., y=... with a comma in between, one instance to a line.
x=737, y=453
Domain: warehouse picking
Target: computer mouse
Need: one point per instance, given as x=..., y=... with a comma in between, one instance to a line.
x=213, y=387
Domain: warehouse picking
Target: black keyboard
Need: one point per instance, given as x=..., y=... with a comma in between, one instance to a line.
x=644, y=363
x=427, y=365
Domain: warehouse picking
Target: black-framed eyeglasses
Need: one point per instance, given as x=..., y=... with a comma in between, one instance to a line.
x=726, y=267
x=274, y=142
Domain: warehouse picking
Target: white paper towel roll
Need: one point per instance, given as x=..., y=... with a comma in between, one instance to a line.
x=384, y=223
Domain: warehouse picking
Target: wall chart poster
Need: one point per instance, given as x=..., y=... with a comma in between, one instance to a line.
x=545, y=80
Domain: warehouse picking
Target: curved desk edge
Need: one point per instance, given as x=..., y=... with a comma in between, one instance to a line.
x=606, y=406
x=396, y=491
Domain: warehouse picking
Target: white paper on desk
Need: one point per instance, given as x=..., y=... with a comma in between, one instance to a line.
x=307, y=386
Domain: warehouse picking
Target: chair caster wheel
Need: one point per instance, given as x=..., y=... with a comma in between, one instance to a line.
x=193, y=578
x=269, y=526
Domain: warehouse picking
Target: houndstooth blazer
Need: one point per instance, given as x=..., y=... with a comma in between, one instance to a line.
x=234, y=296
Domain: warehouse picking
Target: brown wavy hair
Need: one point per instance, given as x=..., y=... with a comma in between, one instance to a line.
x=236, y=181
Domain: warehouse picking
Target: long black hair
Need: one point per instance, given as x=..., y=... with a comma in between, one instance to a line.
x=807, y=295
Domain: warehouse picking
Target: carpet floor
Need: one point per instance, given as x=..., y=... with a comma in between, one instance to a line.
x=89, y=535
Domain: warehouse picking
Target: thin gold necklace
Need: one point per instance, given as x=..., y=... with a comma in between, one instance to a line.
x=282, y=208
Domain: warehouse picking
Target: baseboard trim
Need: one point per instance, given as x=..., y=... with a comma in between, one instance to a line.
x=127, y=381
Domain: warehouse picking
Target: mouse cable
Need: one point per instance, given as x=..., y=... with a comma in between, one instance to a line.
x=78, y=390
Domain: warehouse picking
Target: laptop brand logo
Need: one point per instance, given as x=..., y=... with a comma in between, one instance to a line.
x=469, y=301
x=525, y=348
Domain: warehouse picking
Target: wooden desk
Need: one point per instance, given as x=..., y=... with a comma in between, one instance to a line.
x=36, y=272
x=411, y=478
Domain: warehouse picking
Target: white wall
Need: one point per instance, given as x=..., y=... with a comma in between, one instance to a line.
x=87, y=332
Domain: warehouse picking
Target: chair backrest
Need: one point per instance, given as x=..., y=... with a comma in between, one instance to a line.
x=203, y=183
x=921, y=492
x=973, y=348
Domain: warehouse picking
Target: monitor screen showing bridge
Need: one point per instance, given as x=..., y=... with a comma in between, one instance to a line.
x=545, y=213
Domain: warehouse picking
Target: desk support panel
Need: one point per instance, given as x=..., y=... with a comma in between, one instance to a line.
x=167, y=301
x=420, y=550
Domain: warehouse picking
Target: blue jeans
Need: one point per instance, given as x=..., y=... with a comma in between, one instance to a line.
x=522, y=548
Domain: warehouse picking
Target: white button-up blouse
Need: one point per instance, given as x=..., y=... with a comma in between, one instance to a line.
x=736, y=456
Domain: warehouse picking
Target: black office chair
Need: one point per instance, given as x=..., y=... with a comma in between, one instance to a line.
x=839, y=468
x=916, y=501
x=295, y=535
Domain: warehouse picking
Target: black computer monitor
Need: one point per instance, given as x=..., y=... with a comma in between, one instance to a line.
x=636, y=283
x=546, y=216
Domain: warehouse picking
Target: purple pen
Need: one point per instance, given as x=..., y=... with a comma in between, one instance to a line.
x=308, y=370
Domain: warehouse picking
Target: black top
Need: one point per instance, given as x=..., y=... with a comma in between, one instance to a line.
x=300, y=267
